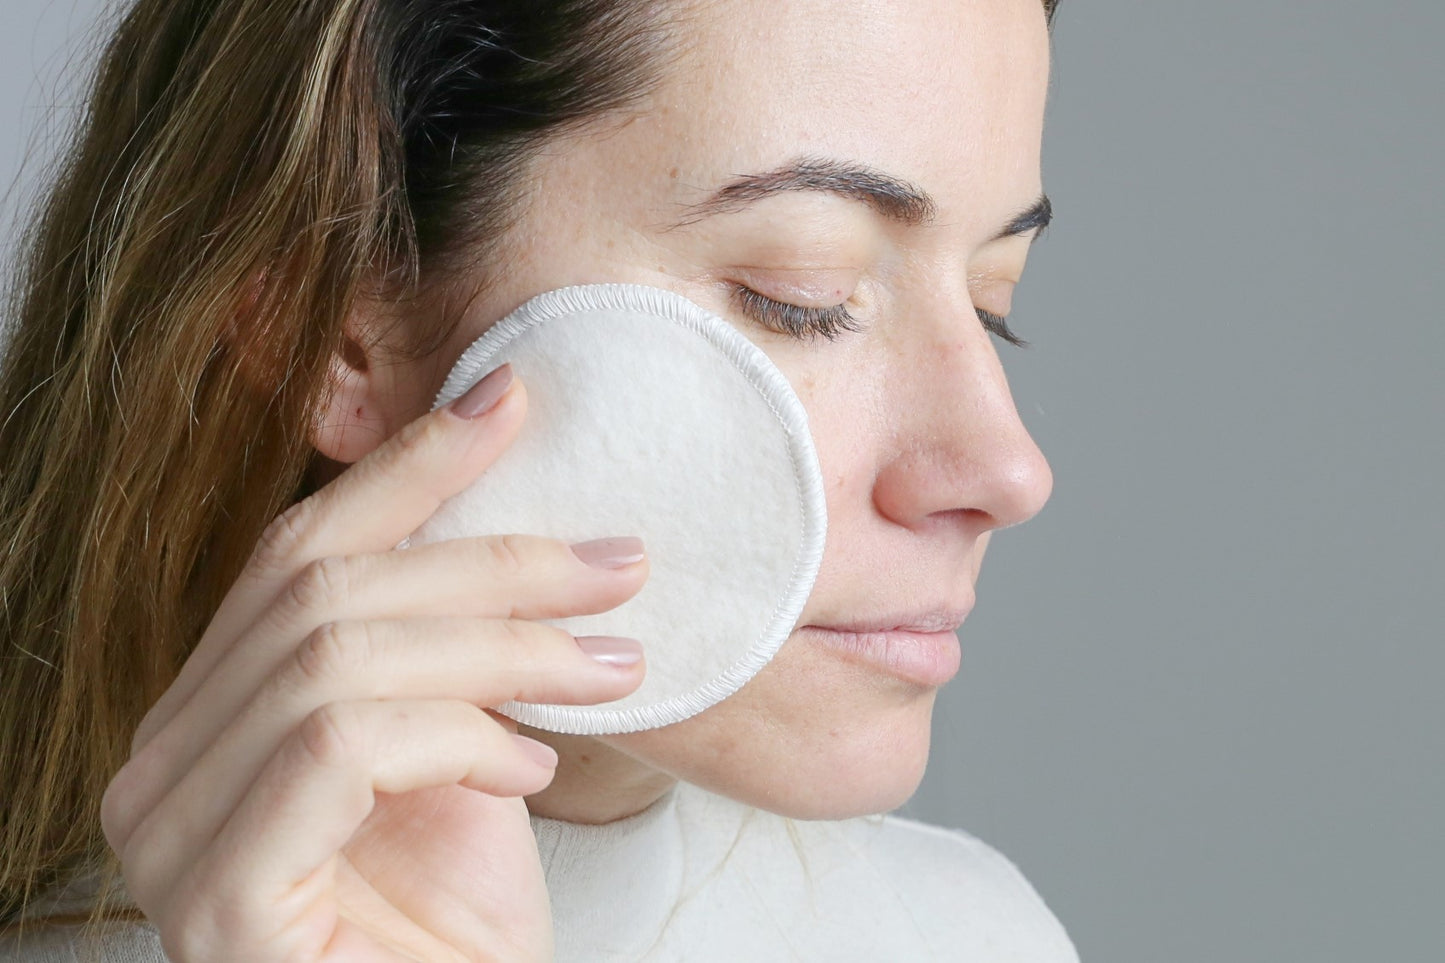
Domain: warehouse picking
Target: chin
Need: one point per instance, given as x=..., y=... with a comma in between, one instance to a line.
x=877, y=787
x=861, y=768
x=857, y=745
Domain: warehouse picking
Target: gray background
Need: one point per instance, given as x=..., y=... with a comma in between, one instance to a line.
x=1200, y=704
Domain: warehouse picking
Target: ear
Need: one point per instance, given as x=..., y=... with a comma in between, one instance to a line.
x=359, y=411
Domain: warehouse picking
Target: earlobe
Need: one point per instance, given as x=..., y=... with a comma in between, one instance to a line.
x=350, y=421
x=373, y=382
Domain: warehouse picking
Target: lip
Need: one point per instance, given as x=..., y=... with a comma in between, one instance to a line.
x=926, y=623
x=920, y=648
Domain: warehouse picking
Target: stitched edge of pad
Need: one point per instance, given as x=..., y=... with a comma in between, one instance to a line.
x=765, y=378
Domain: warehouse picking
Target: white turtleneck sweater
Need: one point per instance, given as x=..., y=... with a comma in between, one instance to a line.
x=699, y=878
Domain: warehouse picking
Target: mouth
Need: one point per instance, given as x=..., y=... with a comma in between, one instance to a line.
x=917, y=647
x=926, y=622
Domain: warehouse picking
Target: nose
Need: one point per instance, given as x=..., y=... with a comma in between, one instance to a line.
x=960, y=449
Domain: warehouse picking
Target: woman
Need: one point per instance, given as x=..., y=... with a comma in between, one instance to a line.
x=280, y=226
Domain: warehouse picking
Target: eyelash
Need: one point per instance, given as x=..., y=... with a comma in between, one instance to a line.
x=794, y=320
x=998, y=326
x=799, y=322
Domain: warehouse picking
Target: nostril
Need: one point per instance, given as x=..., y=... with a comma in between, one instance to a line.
x=995, y=480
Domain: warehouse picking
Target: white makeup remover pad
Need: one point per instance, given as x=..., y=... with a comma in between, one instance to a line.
x=649, y=416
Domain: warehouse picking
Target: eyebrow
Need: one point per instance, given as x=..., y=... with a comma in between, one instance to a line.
x=892, y=197
x=1039, y=215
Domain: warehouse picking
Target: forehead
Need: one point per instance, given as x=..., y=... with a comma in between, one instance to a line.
x=948, y=94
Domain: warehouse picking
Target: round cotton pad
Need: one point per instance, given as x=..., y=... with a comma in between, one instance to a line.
x=649, y=416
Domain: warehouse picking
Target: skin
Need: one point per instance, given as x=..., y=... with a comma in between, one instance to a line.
x=324, y=781
x=920, y=443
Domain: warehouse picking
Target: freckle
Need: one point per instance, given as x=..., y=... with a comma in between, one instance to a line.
x=584, y=759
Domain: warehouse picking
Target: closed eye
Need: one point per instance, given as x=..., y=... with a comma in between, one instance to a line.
x=794, y=320
x=797, y=321
x=998, y=326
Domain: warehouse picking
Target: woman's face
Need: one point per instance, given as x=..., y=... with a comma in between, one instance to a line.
x=875, y=155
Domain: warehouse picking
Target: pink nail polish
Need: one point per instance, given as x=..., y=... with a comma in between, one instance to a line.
x=611, y=650
x=610, y=552
x=483, y=396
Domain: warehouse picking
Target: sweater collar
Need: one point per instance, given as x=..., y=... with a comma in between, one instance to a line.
x=614, y=885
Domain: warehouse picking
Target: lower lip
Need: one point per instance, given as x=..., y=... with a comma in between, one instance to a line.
x=926, y=659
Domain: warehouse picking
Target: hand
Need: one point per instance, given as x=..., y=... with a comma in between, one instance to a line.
x=323, y=780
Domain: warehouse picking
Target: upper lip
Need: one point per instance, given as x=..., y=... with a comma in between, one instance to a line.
x=942, y=619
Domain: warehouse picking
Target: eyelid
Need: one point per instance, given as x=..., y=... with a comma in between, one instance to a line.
x=797, y=321
x=993, y=294
x=803, y=287
x=792, y=320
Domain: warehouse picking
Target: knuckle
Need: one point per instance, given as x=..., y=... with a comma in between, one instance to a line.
x=332, y=651
x=218, y=914
x=140, y=859
x=518, y=634
x=507, y=555
x=332, y=735
x=127, y=792
x=535, y=650
x=116, y=808
x=175, y=930
x=284, y=536
x=144, y=732
x=322, y=583
x=419, y=435
x=185, y=930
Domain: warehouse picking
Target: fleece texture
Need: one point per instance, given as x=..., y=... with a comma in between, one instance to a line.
x=697, y=878
x=650, y=416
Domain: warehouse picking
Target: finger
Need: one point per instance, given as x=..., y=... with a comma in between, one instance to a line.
x=266, y=876
x=500, y=575
x=192, y=783
x=370, y=507
x=508, y=576
x=495, y=576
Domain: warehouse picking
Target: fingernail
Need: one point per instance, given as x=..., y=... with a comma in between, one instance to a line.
x=483, y=396
x=539, y=752
x=611, y=649
x=610, y=552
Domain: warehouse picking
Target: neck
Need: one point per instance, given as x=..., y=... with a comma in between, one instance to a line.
x=594, y=783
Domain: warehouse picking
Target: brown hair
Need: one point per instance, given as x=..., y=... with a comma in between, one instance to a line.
x=244, y=171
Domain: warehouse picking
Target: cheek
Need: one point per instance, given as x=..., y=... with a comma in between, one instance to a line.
x=814, y=736
x=809, y=737
x=844, y=395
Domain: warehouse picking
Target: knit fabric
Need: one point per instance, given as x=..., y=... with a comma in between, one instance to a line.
x=708, y=879
x=703, y=879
